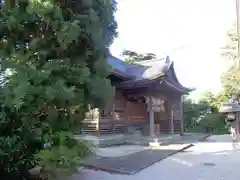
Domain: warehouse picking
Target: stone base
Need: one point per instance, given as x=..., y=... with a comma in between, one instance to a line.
x=155, y=144
x=126, y=139
x=157, y=140
x=103, y=141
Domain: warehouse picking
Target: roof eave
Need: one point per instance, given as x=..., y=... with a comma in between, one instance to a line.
x=181, y=89
x=121, y=75
x=142, y=82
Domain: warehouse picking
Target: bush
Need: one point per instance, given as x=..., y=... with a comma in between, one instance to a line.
x=64, y=158
x=20, y=140
x=211, y=123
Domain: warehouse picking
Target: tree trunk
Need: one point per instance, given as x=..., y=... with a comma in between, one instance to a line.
x=8, y=4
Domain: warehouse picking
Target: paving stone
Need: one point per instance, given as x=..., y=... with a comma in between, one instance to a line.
x=132, y=163
x=187, y=166
x=135, y=162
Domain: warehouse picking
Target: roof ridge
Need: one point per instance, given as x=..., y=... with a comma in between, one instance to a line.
x=149, y=61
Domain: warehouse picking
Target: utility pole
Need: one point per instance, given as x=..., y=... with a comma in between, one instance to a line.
x=238, y=32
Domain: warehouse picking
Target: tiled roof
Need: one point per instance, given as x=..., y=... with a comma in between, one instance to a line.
x=141, y=70
x=147, y=71
x=118, y=64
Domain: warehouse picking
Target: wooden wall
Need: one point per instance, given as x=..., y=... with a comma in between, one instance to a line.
x=116, y=116
x=130, y=112
x=177, y=115
x=162, y=119
x=123, y=113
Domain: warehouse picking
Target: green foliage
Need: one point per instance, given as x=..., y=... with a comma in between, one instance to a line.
x=207, y=98
x=64, y=159
x=192, y=111
x=132, y=57
x=20, y=139
x=203, y=117
x=214, y=121
x=230, y=87
x=57, y=51
x=230, y=50
x=231, y=81
x=220, y=98
x=230, y=90
x=231, y=78
x=211, y=123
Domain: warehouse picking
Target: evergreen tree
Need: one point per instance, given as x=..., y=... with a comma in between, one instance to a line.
x=57, y=52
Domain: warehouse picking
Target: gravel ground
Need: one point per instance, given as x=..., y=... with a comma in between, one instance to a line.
x=215, y=159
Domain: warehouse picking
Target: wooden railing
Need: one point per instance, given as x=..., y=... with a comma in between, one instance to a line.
x=91, y=122
x=105, y=126
x=112, y=127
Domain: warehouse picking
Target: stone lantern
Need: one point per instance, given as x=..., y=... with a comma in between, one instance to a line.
x=232, y=114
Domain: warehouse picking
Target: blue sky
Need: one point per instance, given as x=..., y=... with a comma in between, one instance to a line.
x=190, y=31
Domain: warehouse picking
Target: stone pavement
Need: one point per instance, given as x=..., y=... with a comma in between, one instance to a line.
x=133, y=163
x=119, y=151
x=212, y=160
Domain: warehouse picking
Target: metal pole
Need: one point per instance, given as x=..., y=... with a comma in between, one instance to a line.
x=238, y=31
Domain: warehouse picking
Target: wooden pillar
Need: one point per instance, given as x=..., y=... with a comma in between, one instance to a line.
x=113, y=114
x=178, y=121
x=170, y=112
x=171, y=121
x=181, y=116
x=151, y=116
x=126, y=114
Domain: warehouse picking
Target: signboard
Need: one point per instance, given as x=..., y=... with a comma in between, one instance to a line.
x=157, y=104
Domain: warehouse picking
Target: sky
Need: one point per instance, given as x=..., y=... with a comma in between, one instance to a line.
x=191, y=32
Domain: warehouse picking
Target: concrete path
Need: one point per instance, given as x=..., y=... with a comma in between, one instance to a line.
x=216, y=159
x=132, y=159
x=134, y=162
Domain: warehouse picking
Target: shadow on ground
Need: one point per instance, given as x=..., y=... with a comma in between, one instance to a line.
x=130, y=164
x=201, y=161
x=135, y=162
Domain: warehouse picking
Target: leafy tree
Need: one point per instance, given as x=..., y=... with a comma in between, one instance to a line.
x=231, y=78
x=132, y=56
x=207, y=97
x=230, y=49
x=57, y=52
x=203, y=116
x=230, y=90
x=231, y=81
x=221, y=97
x=214, y=122
x=192, y=111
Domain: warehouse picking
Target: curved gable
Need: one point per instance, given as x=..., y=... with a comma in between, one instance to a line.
x=171, y=78
x=172, y=73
